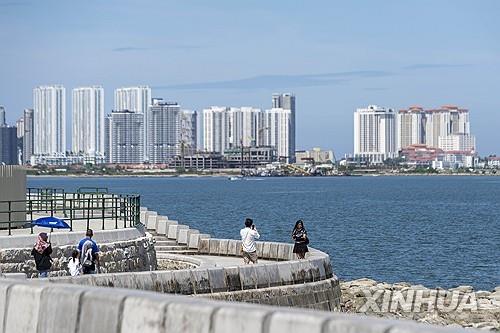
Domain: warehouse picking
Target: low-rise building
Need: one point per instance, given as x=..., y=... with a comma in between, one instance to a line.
x=253, y=157
x=454, y=160
x=493, y=162
x=457, y=142
x=61, y=159
x=314, y=156
x=419, y=155
x=198, y=161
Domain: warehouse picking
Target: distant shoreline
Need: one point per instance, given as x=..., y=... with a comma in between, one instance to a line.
x=144, y=175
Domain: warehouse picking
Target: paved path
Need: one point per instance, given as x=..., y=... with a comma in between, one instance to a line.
x=223, y=261
x=79, y=225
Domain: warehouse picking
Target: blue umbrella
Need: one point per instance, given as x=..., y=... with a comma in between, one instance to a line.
x=51, y=222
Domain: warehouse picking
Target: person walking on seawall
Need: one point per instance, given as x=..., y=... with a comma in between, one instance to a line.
x=89, y=253
x=299, y=235
x=248, y=236
x=41, y=252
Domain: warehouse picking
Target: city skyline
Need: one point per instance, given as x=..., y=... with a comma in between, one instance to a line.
x=379, y=132
x=343, y=63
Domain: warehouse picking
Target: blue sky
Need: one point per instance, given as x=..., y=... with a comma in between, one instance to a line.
x=334, y=55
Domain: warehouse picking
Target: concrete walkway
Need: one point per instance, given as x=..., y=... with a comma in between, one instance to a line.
x=222, y=261
x=79, y=225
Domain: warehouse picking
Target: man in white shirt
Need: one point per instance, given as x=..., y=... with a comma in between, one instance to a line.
x=248, y=236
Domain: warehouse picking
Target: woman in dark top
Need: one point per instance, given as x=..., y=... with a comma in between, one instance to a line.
x=41, y=252
x=299, y=235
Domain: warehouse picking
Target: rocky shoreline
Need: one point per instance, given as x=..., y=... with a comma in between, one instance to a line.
x=461, y=306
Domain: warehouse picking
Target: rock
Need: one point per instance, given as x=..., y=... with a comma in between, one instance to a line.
x=419, y=287
x=486, y=316
x=363, y=282
x=384, y=286
x=400, y=285
x=463, y=289
x=482, y=294
x=486, y=325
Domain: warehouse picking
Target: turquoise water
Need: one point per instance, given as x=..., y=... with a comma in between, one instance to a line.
x=437, y=231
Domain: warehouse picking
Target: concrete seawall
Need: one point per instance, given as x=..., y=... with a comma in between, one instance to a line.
x=143, y=301
x=284, y=282
x=122, y=250
x=29, y=307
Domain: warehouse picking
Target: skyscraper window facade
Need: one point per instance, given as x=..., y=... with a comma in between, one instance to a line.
x=49, y=123
x=164, y=132
x=374, y=134
x=88, y=120
x=126, y=137
x=233, y=127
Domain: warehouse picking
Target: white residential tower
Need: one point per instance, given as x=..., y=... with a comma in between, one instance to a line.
x=49, y=111
x=88, y=121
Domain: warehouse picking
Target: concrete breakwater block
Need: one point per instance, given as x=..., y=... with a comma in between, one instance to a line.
x=248, y=277
x=232, y=248
x=63, y=299
x=189, y=317
x=262, y=276
x=285, y=273
x=143, y=314
x=185, y=234
x=306, y=268
x=102, y=304
x=213, y=246
x=233, y=280
x=217, y=280
x=259, y=246
x=328, y=267
x=319, y=268
x=204, y=246
x=151, y=220
x=143, y=215
x=273, y=251
x=168, y=224
x=194, y=240
x=274, y=275
x=285, y=251
x=298, y=273
x=200, y=281
x=144, y=281
x=266, y=250
x=24, y=297
x=163, y=281
x=173, y=230
x=223, y=247
x=182, y=283
x=161, y=225
x=171, y=282
x=45, y=307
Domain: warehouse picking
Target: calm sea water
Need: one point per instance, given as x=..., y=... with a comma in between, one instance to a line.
x=437, y=231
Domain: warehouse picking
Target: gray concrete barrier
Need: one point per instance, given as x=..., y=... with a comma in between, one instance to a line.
x=27, y=307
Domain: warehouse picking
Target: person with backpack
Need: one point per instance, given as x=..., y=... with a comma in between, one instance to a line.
x=74, y=266
x=248, y=236
x=89, y=253
x=41, y=252
x=299, y=235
